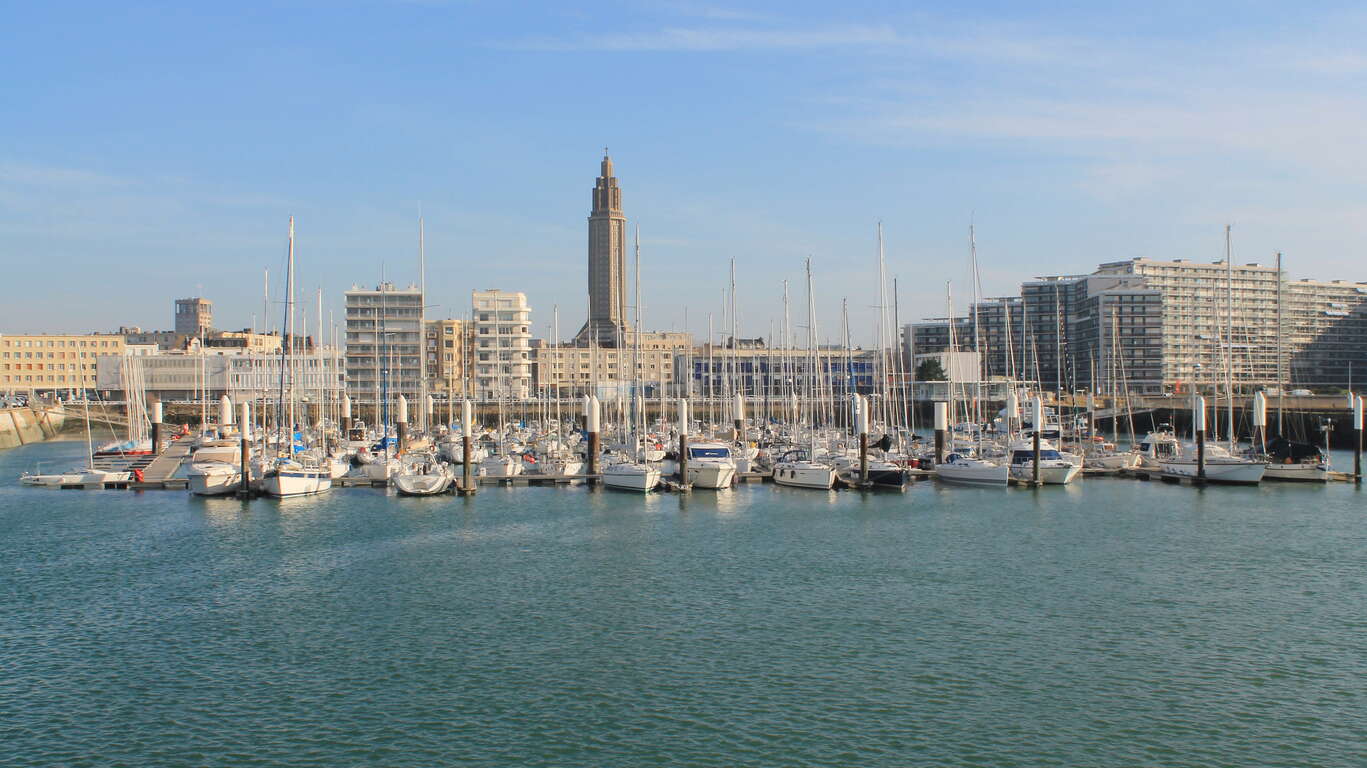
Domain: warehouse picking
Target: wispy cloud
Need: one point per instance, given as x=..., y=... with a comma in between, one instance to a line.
x=716, y=39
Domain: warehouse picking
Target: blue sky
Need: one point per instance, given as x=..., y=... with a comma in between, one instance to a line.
x=152, y=151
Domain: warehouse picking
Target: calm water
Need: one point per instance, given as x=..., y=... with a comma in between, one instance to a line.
x=1110, y=623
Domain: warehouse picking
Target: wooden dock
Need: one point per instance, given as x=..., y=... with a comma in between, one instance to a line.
x=159, y=474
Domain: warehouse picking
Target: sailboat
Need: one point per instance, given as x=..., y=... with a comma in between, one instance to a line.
x=1221, y=465
x=634, y=474
x=292, y=472
x=960, y=467
x=798, y=468
x=87, y=478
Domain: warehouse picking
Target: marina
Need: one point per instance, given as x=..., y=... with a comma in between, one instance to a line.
x=1138, y=623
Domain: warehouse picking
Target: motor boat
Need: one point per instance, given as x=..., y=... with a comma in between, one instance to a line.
x=1158, y=446
x=710, y=465
x=959, y=468
x=214, y=478
x=1054, y=468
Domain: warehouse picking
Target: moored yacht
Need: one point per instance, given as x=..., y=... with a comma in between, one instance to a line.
x=631, y=476
x=301, y=476
x=710, y=465
x=796, y=470
x=1054, y=467
x=957, y=468
x=1221, y=467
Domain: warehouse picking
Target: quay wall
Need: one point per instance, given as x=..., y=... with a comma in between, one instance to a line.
x=21, y=426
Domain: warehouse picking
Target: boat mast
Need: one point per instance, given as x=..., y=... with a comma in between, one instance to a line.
x=1229, y=338
x=422, y=329
x=881, y=367
x=811, y=358
x=637, y=401
x=284, y=332
x=1281, y=383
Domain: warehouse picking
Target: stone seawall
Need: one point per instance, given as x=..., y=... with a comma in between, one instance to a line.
x=20, y=426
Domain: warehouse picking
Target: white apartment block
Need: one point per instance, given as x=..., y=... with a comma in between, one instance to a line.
x=501, y=323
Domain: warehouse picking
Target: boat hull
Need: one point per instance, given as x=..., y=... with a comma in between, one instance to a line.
x=1054, y=473
x=213, y=481
x=1297, y=473
x=814, y=477
x=631, y=479
x=1225, y=473
x=973, y=474
x=283, y=485
x=713, y=476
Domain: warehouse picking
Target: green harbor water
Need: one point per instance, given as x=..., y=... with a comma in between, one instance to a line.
x=1110, y=623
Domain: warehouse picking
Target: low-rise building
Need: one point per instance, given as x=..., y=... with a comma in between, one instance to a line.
x=56, y=363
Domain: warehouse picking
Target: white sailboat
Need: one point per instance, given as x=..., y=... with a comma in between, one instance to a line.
x=292, y=473
x=799, y=468
x=634, y=474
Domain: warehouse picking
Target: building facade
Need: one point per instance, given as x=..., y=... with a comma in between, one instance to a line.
x=501, y=323
x=607, y=263
x=182, y=376
x=572, y=370
x=446, y=344
x=1150, y=326
x=383, y=343
x=194, y=316
x=54, y=363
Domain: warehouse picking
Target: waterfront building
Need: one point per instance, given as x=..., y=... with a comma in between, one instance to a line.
x=572, y=370
x=383, y=343
x=251, y=341
x=184, y=375
x=1152, y=326
x=194, y=316
x=766, y=373
x=607, y=322
x=446, y=344
x=502, y=341
x=54, y=363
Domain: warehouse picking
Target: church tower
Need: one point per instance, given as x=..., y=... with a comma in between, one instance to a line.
x=607, y=323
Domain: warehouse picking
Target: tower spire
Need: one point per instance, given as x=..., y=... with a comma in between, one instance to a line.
x=607, y=262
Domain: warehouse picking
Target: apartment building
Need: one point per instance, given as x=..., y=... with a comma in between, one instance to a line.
x=54, y=362
x=446, y=345
x=1153, y=326
x=383, y=343
x=502, y=344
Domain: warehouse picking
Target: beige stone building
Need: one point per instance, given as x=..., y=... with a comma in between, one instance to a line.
x=446, y=344
x=574, y=370
x=53, y=363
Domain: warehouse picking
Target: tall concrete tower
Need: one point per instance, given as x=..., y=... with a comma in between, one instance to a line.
x=607, y=322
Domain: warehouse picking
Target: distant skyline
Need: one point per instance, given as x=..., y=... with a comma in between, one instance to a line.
x=155, y=151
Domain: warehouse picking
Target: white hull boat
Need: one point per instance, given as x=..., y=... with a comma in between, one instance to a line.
x=89, y=479
x=804, y=474
x=1221, y=467
x=629, y=476
x=214, y=479
x=966, y=471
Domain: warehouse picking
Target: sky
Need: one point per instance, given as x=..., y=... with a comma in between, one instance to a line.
x=152, y=151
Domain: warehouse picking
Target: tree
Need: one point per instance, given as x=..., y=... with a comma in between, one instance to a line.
x=930, y=370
